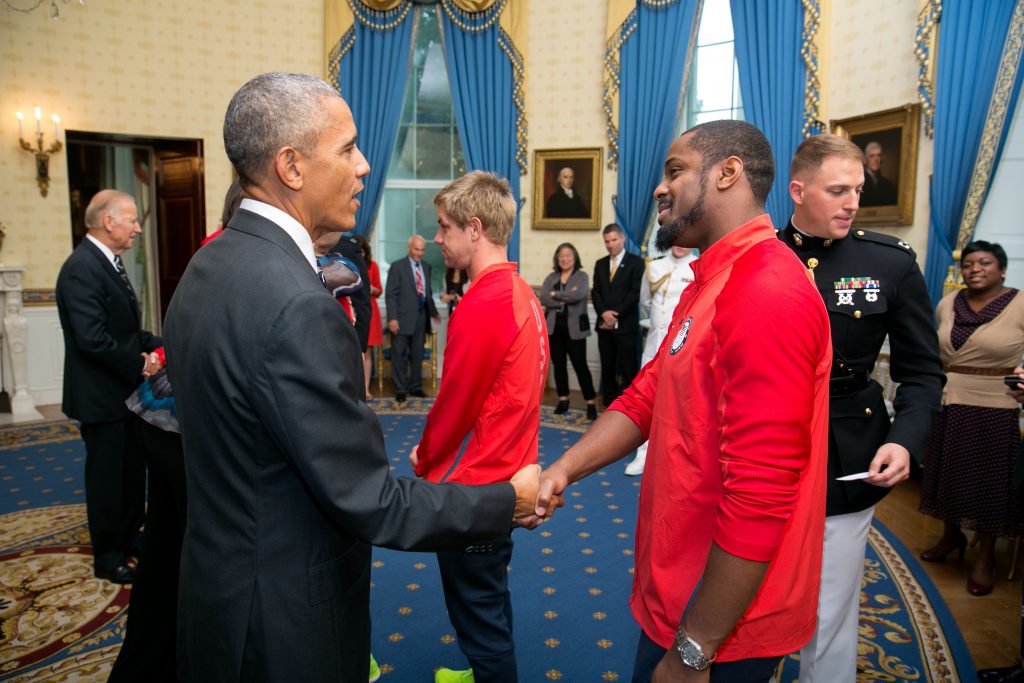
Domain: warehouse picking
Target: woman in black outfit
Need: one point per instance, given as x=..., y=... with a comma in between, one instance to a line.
x=564, y=297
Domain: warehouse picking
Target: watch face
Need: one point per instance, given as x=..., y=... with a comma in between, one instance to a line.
x=692, y=655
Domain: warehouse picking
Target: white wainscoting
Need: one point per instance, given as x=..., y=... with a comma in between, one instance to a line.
x=45, y=355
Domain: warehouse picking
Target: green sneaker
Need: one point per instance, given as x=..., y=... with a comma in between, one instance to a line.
x=374, y=670
x=449, y=676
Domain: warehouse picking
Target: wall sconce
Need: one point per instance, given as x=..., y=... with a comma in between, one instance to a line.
x=42, y=155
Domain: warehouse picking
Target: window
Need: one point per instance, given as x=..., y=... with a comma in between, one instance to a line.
x=427, y=154
x=714, y=90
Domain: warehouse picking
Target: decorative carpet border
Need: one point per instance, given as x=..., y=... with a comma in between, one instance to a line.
x=944, y=653
x=22, y=436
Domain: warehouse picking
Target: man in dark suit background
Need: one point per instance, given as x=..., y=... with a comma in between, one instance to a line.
x=287, y=474
x=616, y=297
x=105, y=358
x=565, y=202
x=410, y=303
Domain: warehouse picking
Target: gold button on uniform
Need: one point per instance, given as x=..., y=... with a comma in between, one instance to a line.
x=812, y=263
x=860, y=233
x=867, y=411
x=856, y=314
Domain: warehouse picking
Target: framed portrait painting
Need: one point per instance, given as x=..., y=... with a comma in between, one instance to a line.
x=889, y=142
x=567, y=189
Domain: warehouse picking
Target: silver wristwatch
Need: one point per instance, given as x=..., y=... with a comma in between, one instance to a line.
x=691, y=652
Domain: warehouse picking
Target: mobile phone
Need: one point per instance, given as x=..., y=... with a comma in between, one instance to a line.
x=1013, y=380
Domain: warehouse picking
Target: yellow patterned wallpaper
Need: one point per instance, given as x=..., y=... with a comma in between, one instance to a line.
x=564, y=93
x=871, y=67
x=153, y=68
x=147, y=68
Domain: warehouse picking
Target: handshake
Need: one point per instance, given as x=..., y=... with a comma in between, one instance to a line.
x=538, y=495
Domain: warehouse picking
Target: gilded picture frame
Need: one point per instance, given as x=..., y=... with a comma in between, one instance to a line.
x=889, y=140
x=553, y=207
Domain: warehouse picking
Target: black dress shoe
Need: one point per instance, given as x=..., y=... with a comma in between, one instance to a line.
x=1006, y=674
x=122, y=573
x=400, y=397
x=591, y=411
x=562, y=407
x=418, y=393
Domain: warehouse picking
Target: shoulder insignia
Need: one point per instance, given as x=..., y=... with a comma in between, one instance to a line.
x=883, y=239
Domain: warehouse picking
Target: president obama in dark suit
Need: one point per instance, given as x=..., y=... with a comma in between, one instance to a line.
x=104, y=361
x=288, y=479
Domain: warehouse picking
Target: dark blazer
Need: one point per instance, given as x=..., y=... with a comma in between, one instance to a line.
x=896, y=305
x=401, y=298
x=288, y=478
x=621, y=294
x=103, y=338
x=561, y=205
x=574, y=296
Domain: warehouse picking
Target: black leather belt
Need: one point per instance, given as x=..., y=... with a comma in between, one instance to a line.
x=848, y=384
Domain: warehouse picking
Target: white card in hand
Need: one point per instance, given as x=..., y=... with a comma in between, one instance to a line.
x=854, y=477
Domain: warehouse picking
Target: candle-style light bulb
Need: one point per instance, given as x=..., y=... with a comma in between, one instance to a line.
x=39, y=116
x=56, y=127
x=21, y=132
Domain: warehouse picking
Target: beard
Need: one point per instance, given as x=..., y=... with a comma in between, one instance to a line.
x=673, y=229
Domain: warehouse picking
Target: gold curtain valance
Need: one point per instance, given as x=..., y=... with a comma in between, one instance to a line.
x=474, y=5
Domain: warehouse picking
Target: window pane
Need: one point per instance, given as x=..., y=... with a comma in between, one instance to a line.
x=434, y=96
x=715, y=23
x=403, y=160
x=434, y=152
x=408, y=211
x=714, y=74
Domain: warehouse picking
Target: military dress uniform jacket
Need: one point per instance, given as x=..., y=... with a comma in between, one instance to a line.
x=872, y=287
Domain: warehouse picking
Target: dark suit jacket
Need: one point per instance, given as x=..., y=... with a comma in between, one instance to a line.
x=287, y=474
x=102, y=337
x=400, y=295
x=560, y=205
x=621, y=294
x=878, y=191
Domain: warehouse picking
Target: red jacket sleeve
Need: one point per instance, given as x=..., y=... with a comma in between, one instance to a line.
x=764, y=376
x=478, y=342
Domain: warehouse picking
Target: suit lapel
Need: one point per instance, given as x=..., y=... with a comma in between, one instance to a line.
x=107, y=267
x=264, y=228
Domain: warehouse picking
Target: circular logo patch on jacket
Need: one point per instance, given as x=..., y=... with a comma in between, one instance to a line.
x=680, y=339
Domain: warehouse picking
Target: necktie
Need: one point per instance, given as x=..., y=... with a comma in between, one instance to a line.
x=119, y=265
x=615, y=267
x=419, y=282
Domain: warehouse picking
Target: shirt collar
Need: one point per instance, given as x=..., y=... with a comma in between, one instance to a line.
x=493, y=268
x=292, y=227
x=102, y=247
x=730, y=247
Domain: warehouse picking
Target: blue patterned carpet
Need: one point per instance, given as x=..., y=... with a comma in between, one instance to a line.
x=570, y=580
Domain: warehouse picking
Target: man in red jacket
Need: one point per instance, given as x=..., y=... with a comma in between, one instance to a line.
x=735, y=404
x=496, y=364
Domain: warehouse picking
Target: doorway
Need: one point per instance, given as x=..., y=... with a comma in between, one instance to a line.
x=166, y=178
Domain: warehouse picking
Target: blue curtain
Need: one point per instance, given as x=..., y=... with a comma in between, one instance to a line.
x=371, y=78
x=971, y=38
x=772, y=75
x=480, y=70
x=652, y=65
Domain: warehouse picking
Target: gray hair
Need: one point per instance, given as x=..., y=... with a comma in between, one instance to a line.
x=105, y=203
x=872, y=145
x=272, y=111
